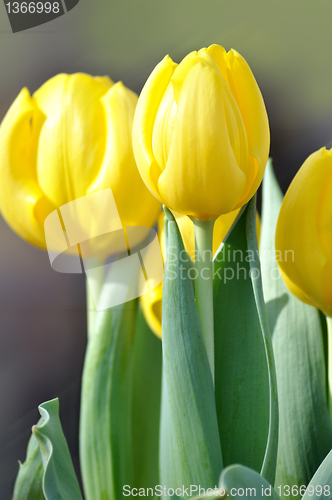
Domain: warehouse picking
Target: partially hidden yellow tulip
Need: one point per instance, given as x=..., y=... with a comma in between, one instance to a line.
x=70, y=139
x=151, y=302
x=304, y=233
x=201, y=134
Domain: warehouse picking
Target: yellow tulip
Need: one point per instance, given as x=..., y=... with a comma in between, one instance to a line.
x=201, y=135
x=304, y=233
x=70, y=139
x=151, y=301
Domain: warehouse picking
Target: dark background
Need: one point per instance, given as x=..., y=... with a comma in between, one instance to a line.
x=287, y=43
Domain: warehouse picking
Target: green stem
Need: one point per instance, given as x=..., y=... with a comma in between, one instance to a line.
x=204, y=284
x=329, y=342
x=96, y=281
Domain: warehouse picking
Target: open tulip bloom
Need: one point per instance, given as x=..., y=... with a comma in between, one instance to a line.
x=230, y=397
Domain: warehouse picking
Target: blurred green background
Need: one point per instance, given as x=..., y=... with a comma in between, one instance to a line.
x=42, y=313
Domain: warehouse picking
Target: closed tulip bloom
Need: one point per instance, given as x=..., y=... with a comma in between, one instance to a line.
x=304, y=233
x=70, y=139
x=151, y=302
x=201, y=134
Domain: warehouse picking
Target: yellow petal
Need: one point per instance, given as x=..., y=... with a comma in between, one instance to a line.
x=184, y=67
x=223, y=225
x=22, y=202
x=258, y=228
x=253, y=112
x=151, y=307
x=295, y=290
x=219, y=55
x=145, y=116
x=163, y=127
x=152, y=300
x=298, y=233
x=202, y=177
x=187, y=231
x=325, y=211
x=245, y=90
x=104, y=80
x=136, y=205
x=221, y=228
x=328, y=288
x=73, y=137
x=325, y=231
x=181, y=71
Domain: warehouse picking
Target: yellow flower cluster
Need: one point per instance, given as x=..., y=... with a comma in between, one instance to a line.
x=201, y=142
x=198, y=142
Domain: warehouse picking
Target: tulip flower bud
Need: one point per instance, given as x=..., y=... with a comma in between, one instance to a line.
x=72, y=138
x=304, y=233
x=151, y=301
x=201, y=134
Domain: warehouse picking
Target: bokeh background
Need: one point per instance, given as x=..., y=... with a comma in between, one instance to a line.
x=288, y=44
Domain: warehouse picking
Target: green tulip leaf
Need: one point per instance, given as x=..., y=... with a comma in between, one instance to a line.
x=59, y=479
x=244, y=370
x=105, y=421
x=241, y=482
x=269, y=464
x=146, y=404
x=320, y=486
x=305, y=430
x=190, y=446
x=165, y=449
x=28, y=484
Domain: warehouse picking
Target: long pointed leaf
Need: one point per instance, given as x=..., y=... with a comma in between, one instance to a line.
x=320, y=485
x=242, y=381
x=28, y=484
x=194, y=437
x=268, y=469
x=241, y=482
x=59, y=479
